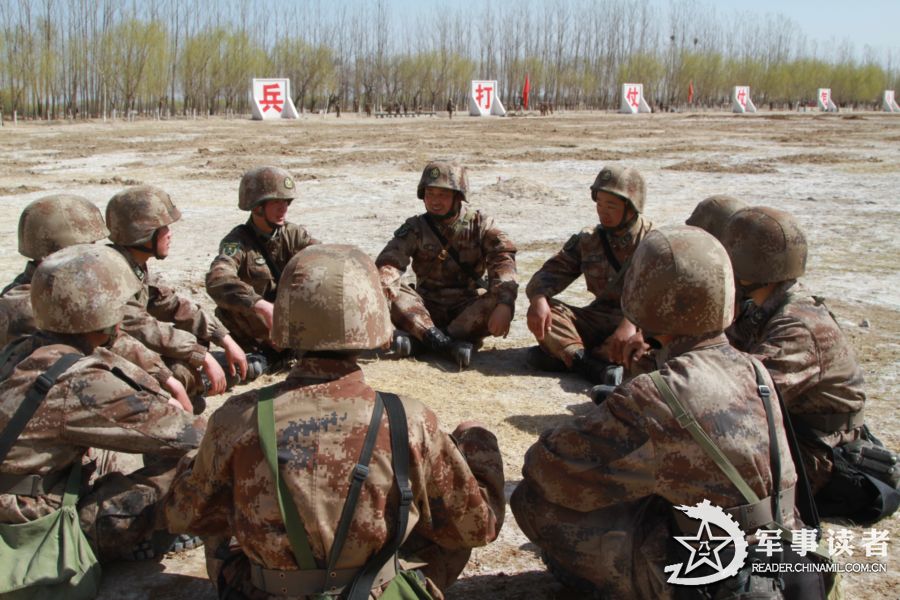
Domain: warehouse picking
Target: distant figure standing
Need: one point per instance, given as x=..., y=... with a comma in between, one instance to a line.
x=450, y=108
x=368, y=109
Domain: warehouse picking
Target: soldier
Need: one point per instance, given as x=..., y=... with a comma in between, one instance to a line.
x=712, y=213
x=101, y=401
x=801, y=345
x=243, y=278
x=589, y=339
x=453, y=307
x=173, y=326
x=332, y=310
x=598, y=494
x=45, y=226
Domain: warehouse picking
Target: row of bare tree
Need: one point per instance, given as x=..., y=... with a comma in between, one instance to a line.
x=86, y=58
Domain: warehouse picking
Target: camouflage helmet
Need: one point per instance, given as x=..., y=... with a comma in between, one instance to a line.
x=447, y=174
x=330, y=298
x=265, y=183
x=765, y=245
x=135, y=213
x=54, y=222
x=624, y=182
x=713, y=213
x=81, y=289
x=680, y=283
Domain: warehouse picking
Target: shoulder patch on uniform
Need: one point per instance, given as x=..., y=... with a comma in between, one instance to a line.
x=230, y=248
x=572, y=243
x=402, y=231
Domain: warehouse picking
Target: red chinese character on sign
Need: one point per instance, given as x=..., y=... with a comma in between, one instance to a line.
x=272, y=97
x=742, y=96
x=483, y=92
x=825, y=97
x=632, y=96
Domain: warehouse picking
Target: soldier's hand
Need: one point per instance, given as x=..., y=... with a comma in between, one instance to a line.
x=179, y=394
x=614, y=345
x=500, y=319
x=265, y=310
x=215, y=374
x=539, y=317
x=635, y=349
x=235, y=356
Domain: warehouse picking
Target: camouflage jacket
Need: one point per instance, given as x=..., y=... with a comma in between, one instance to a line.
x=322, y=412
x=165, y=322
x=482, y=247
x=804, y=349
x=239, y=276
x=631, y=446
x=102, y=401
x=584, y=254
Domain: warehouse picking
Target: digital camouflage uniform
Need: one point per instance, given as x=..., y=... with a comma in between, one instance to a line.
x=322, y=413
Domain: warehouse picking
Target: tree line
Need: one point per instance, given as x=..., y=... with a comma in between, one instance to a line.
x=86, y=58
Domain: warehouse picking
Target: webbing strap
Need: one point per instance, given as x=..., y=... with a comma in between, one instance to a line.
x=607, y=249
x=774, y=455
x=453, y=252
x=265, y=415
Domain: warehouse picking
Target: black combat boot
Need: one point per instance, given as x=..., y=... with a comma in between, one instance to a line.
x=437, y=340
x=401, y=343
x=611, y=380
x=590, y=368
x=459, y=352
x=539, y=360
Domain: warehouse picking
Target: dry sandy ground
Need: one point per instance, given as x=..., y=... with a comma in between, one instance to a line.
x=837, y=173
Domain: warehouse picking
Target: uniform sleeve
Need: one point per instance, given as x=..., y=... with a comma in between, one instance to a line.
x=500, y=259
x=558, y=272
x=395, y=258
x=163, y=338
x=224, y=285
x=166, y=305
x=138, y=354
x=790, y=353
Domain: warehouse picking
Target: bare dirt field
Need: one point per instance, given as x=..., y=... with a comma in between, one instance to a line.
x=839, y=174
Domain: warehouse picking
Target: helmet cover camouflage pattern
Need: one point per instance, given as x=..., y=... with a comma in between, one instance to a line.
x=680, y=283
x=713, y=213
x=135, y=213
x=624, y=182
x=447, y=174
x=330, y=298
x=81, y=289
x=265, y=183
x=54, y=222
x=765, y=245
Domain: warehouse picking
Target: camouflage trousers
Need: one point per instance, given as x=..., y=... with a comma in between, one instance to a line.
x=249, y=330
x=190, y=378
x=463, y=314
x=618, y=551
x=573, y=328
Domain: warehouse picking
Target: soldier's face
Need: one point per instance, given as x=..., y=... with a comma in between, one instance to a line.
x=163, y=241
x=610, y=208
x=439, y=201
x=276, y=211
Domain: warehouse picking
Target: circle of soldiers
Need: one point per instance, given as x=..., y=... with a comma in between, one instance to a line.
x=306, y=489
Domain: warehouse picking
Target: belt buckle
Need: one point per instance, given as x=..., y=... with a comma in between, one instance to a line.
x=443, y=255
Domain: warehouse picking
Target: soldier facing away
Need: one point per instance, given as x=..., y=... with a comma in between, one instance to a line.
x=332, y=308
x=243, y=278
x=597, y=495
x=465, y=270
x=100, y=402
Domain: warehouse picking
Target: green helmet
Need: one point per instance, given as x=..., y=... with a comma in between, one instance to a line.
x=330, y=298
x=135, y=213
x=54, y=222
x=81, y=289
x=713, y=213
x=680, y=283
x=624, y=182
x=447, y=174
x=265, y=183
x=765, y=245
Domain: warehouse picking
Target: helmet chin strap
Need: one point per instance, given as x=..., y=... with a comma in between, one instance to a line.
x=151, y=247
x=262, y=213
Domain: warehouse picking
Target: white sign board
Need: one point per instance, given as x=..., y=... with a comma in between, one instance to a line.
x=824, y=100
x=890, y=103
x=633, y=99
x=740, y=100
x=484, y=101
x=272, y=99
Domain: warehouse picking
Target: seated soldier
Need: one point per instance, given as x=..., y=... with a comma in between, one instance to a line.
x=243, y=278
x=589, y=339
x=332, y=309
x=811, y=361
x=465, y=271
x=598, y=495
x=45, y=226
x=171, y=325
x=101, y=401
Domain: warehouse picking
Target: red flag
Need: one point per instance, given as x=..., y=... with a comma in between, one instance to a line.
x=525, y=90
x=691, y=92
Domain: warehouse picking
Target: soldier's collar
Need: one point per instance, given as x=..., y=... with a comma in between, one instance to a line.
x=310, y=371
x=778, y=298
x=30, y=267
x=140, y=271
x=262, y=234
x=683, y=344
x=627, y=238
x=49, y=338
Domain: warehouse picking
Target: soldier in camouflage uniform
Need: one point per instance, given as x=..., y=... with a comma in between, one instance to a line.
x=597, y=494
x=332, y=310
x=102, y=401
x=453, y=306
x=588, y=339
x=243, y=278
x=169, y=324
x=45, y=226
x=795, y=335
